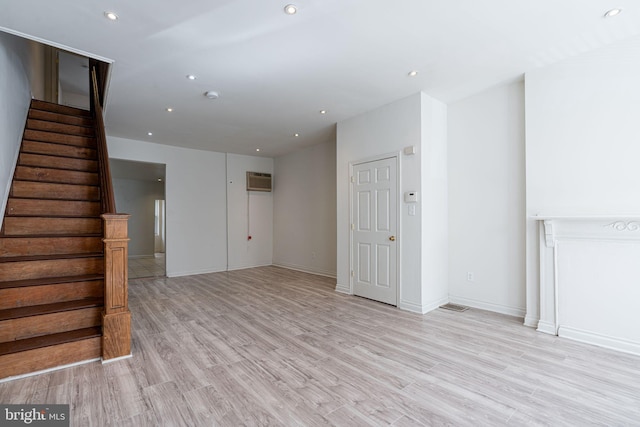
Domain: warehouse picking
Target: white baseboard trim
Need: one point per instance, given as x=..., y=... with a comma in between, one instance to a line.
x=489, y=306
x=409, y=306
x=546, y=327
x=588, y=337
x=343, y=289
x=117, y=359
x=195, y=272
x=44, y=371
x=434, y=304
x=244, y=267
x=531, y=321
x=305, y=269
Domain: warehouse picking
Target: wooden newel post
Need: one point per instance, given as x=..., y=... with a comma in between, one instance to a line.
x=116, y=317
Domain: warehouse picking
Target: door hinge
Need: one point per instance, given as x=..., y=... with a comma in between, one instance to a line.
x=353, y=273
x=353, y=226
x=353, y=179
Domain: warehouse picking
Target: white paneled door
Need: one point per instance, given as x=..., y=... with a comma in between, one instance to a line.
x=374, y=208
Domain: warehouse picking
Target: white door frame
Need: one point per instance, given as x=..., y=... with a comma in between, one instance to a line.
x=397, y=157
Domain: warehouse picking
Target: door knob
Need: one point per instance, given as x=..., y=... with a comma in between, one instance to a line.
x=392, y=238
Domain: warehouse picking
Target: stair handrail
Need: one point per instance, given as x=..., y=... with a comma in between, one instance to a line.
x=106, y=185
x=116, y=317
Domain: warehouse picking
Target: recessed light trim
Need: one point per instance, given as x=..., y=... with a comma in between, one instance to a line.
x=111, y=16
x=150, y=133
x=291, y=9
x=169, y=110
x=257, y=149
x=191, y=77
x=323, y=111
x=296, y=135
x=412, y=73
x=613, y=12
x=212, y=94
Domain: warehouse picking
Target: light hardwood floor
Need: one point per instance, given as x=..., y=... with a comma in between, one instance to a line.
x=269, y=346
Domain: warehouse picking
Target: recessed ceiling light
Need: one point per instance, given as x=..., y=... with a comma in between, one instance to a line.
x=413, y=73
x=110, y=15
x=212, y=94
x=191, y=77
x=612, y=13
x=290, y=9
x=150, y=133
x=159, y=179
x=296, y=134
x=169, y=110
x=257, y=149
x=323, y=111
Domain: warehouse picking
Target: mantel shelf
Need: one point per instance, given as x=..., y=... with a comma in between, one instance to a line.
x=586, y=217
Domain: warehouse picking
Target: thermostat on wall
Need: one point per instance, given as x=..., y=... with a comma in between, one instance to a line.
x=411, y=197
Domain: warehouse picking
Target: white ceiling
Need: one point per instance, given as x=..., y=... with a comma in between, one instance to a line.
x=274, y=72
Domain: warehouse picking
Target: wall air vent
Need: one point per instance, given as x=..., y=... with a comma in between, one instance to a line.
x=257, y=181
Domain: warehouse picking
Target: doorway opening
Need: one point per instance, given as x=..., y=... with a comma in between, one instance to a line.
x=139, y=189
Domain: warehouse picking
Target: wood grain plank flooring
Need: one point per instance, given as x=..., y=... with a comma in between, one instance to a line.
x=270, y=346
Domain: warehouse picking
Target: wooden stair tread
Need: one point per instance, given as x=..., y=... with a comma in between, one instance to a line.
x=49, y=281
x=38, y=310
x=61, y=117
x=60, y=150
x=58, y=191
x=49, y=340
x=66, y=128
x=17, y=206
x=43, y=174
x=57, y=162
x=60, y=138
x=50, y=257
x=38, y=104
x=46, y=236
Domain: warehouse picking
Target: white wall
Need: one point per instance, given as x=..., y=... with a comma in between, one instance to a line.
x=196, y=212
x=137, y=198
x=249, y=213
x=434, y=206
x=304, y=210
x=413, y=121
x=582, y=141
x=15, y=96
x=487, y=200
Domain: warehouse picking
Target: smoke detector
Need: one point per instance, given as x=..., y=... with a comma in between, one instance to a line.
x=212, y=94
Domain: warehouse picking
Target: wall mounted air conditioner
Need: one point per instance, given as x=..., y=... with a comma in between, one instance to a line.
x=257, y=181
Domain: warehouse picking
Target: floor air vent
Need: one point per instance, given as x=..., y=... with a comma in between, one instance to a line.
x=454, y=307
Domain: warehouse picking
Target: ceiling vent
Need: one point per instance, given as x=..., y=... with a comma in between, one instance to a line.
x=257, y=181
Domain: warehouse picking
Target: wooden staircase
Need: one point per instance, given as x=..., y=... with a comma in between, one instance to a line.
x=51, y=250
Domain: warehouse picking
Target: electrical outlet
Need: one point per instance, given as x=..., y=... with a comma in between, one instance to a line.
x=470, y=277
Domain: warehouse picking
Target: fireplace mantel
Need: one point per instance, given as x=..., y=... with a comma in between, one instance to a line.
x=588, y=268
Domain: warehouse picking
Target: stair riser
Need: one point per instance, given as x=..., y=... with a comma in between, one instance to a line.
x=26, y=246
x=60, y=109
x=27, y=173
x=35, y=326
x=60, y=138
x=51, y=268
x=60, y=118
x=47, y=294
x=43, y=190
x=28, y=207
x=59, y=128
x=51, y=226
x=48, y=148
x=56, y=162
x=49, y=357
